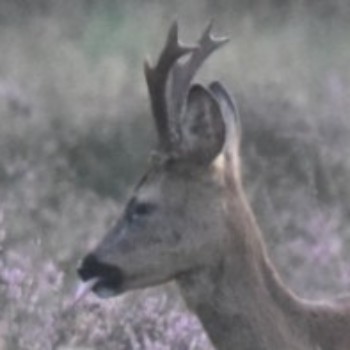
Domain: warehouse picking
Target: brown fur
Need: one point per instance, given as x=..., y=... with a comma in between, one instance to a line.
x=189, y=220
x=242, y=301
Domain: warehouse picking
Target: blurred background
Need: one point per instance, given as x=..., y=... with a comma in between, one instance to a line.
x=75, y=131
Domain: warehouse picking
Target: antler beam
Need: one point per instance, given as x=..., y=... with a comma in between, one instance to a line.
x=169, y=82
x=156, y=78
x=184, y=72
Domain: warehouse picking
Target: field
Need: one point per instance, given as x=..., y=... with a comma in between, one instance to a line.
x=76, y=130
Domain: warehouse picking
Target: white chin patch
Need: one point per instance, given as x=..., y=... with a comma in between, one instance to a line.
x=105, y=292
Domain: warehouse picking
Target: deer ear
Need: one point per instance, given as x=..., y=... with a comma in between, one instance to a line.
x=230, y=115
x=203, y=127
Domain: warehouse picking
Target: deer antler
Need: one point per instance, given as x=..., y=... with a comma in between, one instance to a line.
x=157, y=80
x=167, y=113
x=184, y=72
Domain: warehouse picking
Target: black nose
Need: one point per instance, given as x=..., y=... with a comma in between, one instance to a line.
x=91, y=267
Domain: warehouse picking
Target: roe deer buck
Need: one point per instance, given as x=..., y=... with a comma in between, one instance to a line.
x=188, y=220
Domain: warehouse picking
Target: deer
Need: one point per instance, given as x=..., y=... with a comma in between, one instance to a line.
x=188, y=220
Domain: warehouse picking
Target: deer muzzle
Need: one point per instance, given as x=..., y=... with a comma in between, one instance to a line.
x=103, y=279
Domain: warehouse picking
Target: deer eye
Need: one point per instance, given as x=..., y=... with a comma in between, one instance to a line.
x=137, y=210
x=143, y=209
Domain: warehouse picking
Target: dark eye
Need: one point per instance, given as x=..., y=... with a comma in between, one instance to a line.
x=143, y=209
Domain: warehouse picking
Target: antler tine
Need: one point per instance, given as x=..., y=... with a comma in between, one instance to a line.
x=184, y=72
x=157, y=77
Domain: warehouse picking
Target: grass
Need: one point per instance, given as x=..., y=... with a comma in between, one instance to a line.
x=76, y=130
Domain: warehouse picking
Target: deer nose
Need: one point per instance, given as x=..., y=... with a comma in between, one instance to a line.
x=89, y=268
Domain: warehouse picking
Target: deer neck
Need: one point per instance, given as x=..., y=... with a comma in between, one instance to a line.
x=240, y=300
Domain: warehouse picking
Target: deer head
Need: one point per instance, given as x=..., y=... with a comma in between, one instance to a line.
x=172, y=223
x=188, y=220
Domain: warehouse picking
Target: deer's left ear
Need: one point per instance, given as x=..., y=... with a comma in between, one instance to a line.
x=203, y=127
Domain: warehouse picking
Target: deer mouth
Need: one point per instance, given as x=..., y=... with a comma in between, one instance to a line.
x=104, y=280
x=102, y=288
